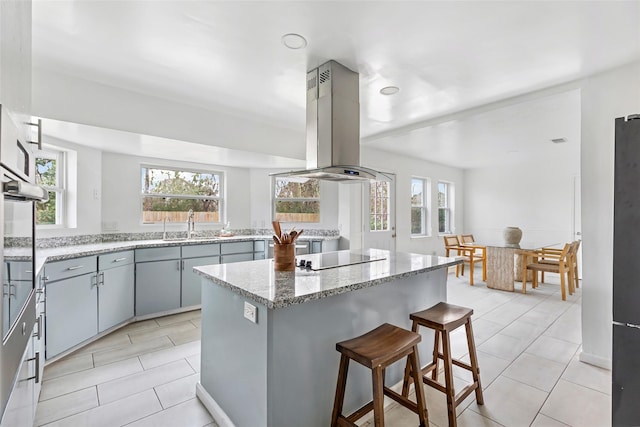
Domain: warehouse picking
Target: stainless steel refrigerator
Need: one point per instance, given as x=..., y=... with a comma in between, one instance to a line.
x=626, y=274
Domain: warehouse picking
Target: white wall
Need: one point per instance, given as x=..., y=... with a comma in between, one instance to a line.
x=536, y=196
x=73, y=99
x=405, y=168
x=84, y=183
x=604, y=98
x=534, y=190
x=121, y=209
x=260, y=192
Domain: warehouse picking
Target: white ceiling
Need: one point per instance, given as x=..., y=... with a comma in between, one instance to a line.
x=456, y=62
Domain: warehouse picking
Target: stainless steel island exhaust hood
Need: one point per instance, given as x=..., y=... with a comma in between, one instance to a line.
x=333, y=127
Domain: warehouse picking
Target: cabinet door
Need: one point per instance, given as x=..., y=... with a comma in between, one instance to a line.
x=316, y=246
x=116, y=293
x=72, y=312
x=191, y=282
x=157, y=286
x=21, y=405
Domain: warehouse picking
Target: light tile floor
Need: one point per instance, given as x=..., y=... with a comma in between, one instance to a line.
x=528, y=345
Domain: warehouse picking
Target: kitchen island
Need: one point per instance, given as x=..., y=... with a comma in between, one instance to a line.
x=282, y=370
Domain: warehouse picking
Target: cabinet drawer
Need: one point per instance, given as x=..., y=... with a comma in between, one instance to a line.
x=227, y=259
x=20, y=270
x=194, y=251
x=158, y=254
x=115, y=259
x=71, y=267
x=236, y=247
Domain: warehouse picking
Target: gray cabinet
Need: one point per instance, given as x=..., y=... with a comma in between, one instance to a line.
x=72, y=312
x=240, y=251
x=157, y=282
x=194, y=255
x=20, y=409
x=191, y=283
x=318, y=246
x=116, y=289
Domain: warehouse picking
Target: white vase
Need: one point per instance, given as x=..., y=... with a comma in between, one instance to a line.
x=512, y=236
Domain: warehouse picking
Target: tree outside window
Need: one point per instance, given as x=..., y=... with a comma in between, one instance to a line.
x=419, y=206
x=379, y=206
x=296, y=199
x=444, y=207
x=169, y=194
x=50, y=175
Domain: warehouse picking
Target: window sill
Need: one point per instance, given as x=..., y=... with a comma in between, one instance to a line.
x=420, y=236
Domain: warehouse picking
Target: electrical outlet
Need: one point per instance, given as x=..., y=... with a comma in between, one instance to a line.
x=250, y=312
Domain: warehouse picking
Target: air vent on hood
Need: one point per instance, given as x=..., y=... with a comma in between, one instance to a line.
x=333, y=127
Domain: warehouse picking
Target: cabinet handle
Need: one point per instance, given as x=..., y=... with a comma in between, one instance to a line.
x=182, y=265
x=39, y=323
x=120, y=259
x=101, y=279
x=36, y=359
x=94, y=280
x=39, y=126
x=75, y=268
x=28, y=271
x=178, y=265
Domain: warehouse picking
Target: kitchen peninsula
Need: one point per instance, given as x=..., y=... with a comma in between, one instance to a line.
x=282, y=369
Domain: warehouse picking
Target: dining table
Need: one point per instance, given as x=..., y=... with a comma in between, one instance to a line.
x=504, y=263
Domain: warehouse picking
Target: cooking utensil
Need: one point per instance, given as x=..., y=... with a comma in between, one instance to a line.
x=276, y=239
x=298, y=235
x=276, y=228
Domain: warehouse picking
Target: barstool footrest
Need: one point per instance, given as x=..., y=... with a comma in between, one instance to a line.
x=470, y=388
x=343, y=422
x=463, y=365
x=428, y=381
x=401, y=399
x=359, y=413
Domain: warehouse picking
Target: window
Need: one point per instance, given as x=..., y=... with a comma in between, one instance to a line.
x=444, y=207
x=297, y=199
x=379, y=206
x=50, y=175
x=171, y=193
x=420, y=189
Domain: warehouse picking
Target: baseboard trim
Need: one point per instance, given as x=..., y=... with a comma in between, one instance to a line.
x=594, y=360
x=220, y=417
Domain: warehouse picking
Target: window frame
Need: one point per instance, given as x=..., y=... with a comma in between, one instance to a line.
x=275, y=199
x=448, y=209
x=425, y=207
x=374, y=212
x=220, y=198
x=59, y=155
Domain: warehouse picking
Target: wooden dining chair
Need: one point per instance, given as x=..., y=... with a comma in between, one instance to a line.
x=467, y=240
x=466, y=253
x=551, y=255
x=531, y=262
x=452, y=249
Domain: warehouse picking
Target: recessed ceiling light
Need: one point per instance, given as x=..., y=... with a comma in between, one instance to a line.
x=294, y=41
x=390, y=90
x=559, y=140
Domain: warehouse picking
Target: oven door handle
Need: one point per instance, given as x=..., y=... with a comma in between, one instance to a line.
x=25, y=191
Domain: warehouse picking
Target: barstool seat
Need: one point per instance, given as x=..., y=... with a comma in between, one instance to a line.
x=444, y=318
x=376, y=350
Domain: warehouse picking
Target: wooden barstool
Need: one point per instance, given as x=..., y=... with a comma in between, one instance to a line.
x=376, y=350
x=444, y=318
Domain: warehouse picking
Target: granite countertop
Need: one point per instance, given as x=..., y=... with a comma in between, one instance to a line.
x=258, y=281
x=61, y=253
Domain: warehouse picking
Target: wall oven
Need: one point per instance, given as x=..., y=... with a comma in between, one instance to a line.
x=17, y=269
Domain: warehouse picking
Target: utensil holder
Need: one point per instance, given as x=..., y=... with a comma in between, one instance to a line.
x=284, y=257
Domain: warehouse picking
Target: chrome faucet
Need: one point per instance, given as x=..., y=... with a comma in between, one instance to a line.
x=191, y=224
x=164, y=229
